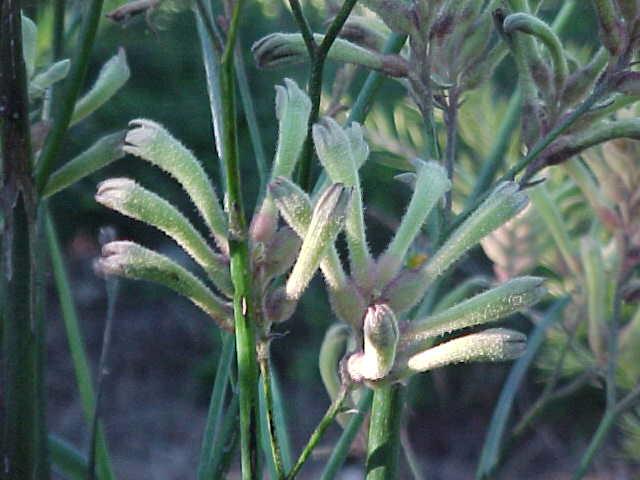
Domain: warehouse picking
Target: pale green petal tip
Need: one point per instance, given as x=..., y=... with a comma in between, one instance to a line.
x=493, y=345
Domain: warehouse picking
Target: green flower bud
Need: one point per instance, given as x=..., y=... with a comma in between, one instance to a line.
x=279, y=49
x=596, y=290
x=380, y=342
x=334, y=346
x=281, y=253
x=341, y=152
x=395, y=13
x=501, y=205
x=367, y=31
x=493, y=345
x=278, y=307
x=409, y=287
x=293, y=203
x=113, y=75
x=490, y=306
x=129, y=198
x=56, y=72
x=151, y=142
x=292, y=110
x=130, y=260
x=431, y=183
x=326, y=222
x=334, y=149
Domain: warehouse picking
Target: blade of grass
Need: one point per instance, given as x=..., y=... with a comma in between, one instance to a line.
x=225, y=448
x=67, y=459
x=490, y=456
x=341, y=450
x=281, y=422
x=216, y=405
x=64, y=108
x=270, y=441
x=76, y=346
x=252, y=120
x=112, y=286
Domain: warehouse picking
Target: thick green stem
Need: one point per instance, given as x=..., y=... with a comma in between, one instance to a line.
x=243, y=298
x=64, y=111
x=17, y=196
x=384, y=433
x=318, y=56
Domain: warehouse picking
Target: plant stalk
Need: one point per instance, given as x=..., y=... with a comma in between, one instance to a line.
x=384, y=433
x=243, y=299
x=318, y=55
x=17, y=198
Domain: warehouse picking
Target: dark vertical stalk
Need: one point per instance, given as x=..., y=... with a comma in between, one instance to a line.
x=17, y=199
x=384, y=433
x=243, y=299
x=318, y=55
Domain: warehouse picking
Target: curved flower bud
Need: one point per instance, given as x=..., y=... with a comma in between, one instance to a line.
x=431, y=183
x=493, y=345
x=278, y=307
x=380, y=342
x=326, y=222
x=532, y=25
x=334, y=345
x=129, y=198
x=501, y=205
x=130, y=260
x=281, y=253
x=151, y=142
x=489, y=306
x=278, y=49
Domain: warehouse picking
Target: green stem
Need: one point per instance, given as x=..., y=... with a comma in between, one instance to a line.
x=265, y=373
x=64, y=110
x=17, y=196
x=384, y=433
x=341, y=450
x=318, y=57
x=243, y=299
x=317, y=434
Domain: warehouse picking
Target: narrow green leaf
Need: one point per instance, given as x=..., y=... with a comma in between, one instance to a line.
x=112, y=77
x=76, y=346
x=214, y=421
x=105, y=151
x=66, y=459
x=56, y=72
x=490, y=456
